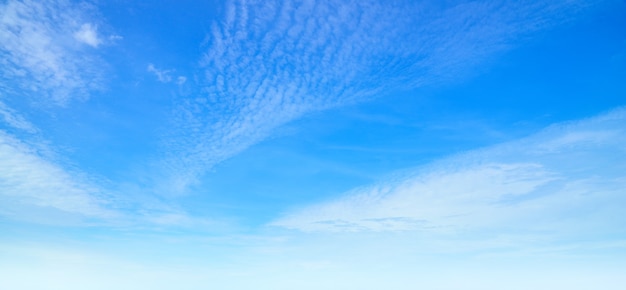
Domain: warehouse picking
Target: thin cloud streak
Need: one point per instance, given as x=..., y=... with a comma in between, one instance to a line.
x=566, y=180
x=269, y=63
x=15, y=120
x=28, y=180
x=36, y=188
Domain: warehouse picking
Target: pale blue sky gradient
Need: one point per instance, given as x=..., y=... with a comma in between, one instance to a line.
x=313, y=144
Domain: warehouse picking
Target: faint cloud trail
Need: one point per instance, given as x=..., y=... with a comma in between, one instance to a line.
x=16, y=120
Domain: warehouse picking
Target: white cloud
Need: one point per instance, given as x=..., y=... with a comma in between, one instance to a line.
x=162, y=75
x=38, y=51
x=88, y=34
x=15, y=120
x=31, y=185
x=165, y=75
x=572, y=187
x=115, y=37
x=36, y=188
x=436, y=201
x=272, y=62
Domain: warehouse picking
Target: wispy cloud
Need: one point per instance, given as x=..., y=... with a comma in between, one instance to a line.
x=162, y=75
x=272, y=62
x=15, y=120
x=47, y=56
x=567, y=179
x=36, y=187
x=165, y=75
x=28, y=179
x=41, y=51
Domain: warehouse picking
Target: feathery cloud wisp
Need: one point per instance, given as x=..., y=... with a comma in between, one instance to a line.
x=568, y=178
x=162, y=75
x=36, y=187
x=15, y=120
x=29, y=180
x=272, y=62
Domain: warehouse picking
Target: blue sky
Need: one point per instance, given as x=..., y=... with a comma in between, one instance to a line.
x=313, y=145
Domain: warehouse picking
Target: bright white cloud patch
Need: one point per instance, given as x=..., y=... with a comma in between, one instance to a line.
x=88, y=34
x=567, y=178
